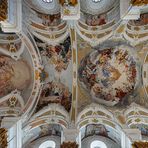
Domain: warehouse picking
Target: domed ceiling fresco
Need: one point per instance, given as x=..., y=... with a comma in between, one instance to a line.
x=110, y=73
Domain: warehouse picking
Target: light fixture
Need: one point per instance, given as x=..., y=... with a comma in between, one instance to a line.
x=47, y=1
x=96, y=1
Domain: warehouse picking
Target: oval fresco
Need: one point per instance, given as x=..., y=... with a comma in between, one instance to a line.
x=109, y=74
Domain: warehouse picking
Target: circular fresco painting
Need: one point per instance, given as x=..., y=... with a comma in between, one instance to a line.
x=110, y=74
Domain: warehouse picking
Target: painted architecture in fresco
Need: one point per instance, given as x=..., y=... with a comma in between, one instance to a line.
x=74, y=72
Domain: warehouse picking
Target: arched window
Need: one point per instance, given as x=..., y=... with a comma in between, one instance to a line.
x=47, y=1
x=96, y=1
x=98, y=144
x=48, y=144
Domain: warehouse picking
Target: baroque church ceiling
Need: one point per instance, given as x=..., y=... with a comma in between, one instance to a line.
x=75, y=64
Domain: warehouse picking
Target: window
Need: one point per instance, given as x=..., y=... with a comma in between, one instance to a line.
x=48, y=144
x=47, y=1
x=98, y=144
x=96, y=1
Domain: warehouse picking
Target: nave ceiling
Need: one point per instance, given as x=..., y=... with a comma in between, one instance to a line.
x=72, y=63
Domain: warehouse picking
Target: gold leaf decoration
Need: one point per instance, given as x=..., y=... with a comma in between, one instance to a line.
x=69, y=145
x=139, y=2
x=3, y=10
x=140, y=144
x=3, y=138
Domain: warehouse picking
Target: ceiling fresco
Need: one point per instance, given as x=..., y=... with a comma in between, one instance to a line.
x=142, y=21
x=13, y=75
x=94, y=130
x=105, y=16
x=57, y=67
x=59, y=55
x=48, y=130
x=95, y=20
x=55, y=92
x=16, y=75
x=76, y=63
x=43, y=131
x=50, y=19
x=110, y=73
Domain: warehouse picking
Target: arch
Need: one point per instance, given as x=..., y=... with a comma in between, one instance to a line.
x=51, y=114
x=47, y=144
x=135, y=114
x=92, y=111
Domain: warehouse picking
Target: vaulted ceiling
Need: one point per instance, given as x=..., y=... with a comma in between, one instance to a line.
x=73, y=55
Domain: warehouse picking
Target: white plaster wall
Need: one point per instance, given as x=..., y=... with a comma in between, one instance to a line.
x=27, y=92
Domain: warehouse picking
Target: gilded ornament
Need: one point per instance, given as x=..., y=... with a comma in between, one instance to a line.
x=3, y=138
x=139, y=2
x=3, y=10
x=69, y=145
x=140, y=144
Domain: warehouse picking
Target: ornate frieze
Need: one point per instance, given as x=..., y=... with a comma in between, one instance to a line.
x=3, y=10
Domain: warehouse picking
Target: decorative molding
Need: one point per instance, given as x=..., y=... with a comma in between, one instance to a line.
x=69, y=145
x=3, y=10
x=140, y=144
x=139, y=2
